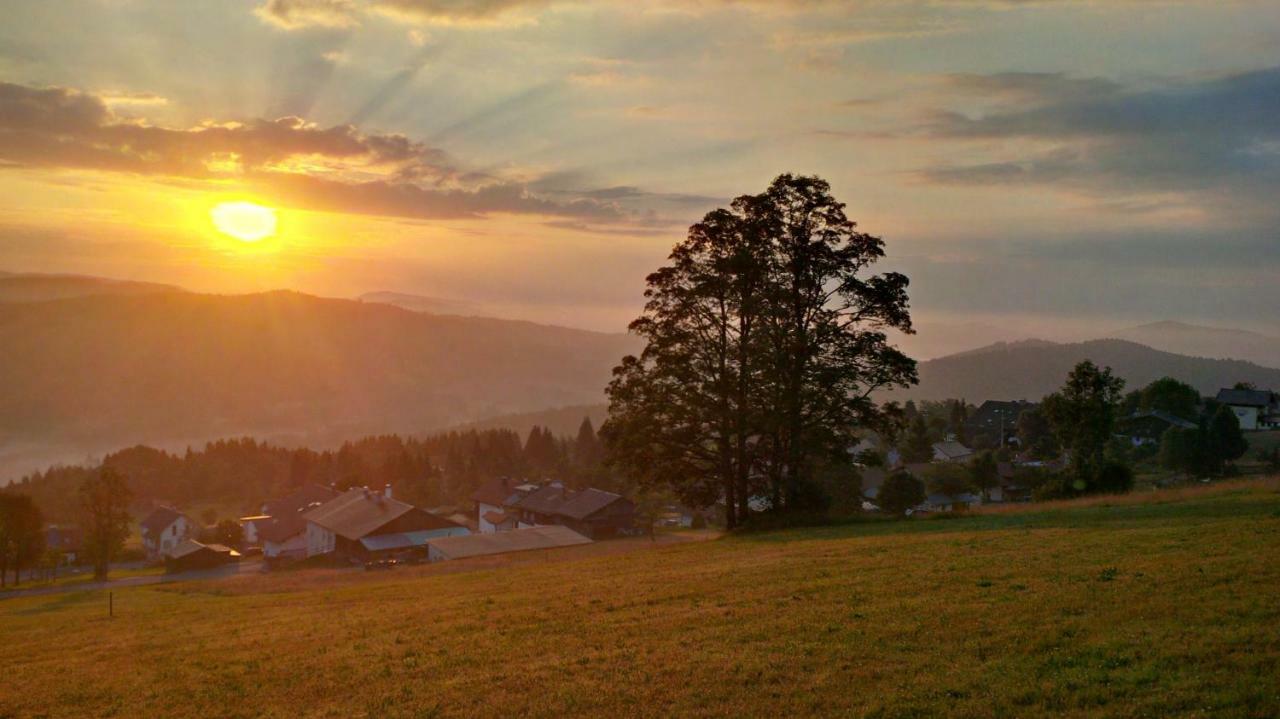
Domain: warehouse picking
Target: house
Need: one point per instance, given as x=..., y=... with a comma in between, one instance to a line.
x=190, y=555
x=164, y=529
x=492, y=498
x=1145, y=428
x=516, y=540
x=340, y=526
x=594, y=513
x=997, y=420
x=1256, y=409
x=251, y=527
x=872, y=479
x=951, y=451
x=66, y=541
x=284, y=534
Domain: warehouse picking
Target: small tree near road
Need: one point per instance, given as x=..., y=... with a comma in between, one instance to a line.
x=104, y=501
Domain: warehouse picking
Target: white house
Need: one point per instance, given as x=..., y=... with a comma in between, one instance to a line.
x=1254, y=408
x=163, y=530
x=492, y=500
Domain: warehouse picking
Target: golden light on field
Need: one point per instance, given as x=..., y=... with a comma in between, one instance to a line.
x=245, y=221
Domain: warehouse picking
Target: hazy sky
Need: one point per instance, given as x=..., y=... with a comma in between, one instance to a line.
x=1050, y=166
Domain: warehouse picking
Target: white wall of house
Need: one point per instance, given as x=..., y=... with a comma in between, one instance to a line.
x=169, y=537
x=1248, y=416
x=295, y=546
x=319, y=540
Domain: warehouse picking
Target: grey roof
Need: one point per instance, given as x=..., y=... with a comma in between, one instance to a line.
x=357, y=512
x=561, y=502
x=493, y=492
x=1166, y=417
x=952, y=450
x=1246, y=397
x=406, y=540
x=583, y=504
x=516, y=540
x=159, y=519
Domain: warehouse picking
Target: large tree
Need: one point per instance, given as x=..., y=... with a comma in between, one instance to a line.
x=1083, y=414
x=765, y=338
x=104, y=498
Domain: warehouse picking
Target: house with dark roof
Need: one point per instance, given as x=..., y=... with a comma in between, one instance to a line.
x=996, y=421
x=163, y=529
x=299, y=500
x=593, y=513
x=1144, y=428
x=358, y=524
x=1256, y=409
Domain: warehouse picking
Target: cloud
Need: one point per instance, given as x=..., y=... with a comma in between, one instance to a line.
x=288, y=159
x=302, y=14
x=296, y=14
x=1215, y=137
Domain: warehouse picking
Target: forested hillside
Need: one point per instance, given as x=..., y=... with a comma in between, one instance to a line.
x=88, y=374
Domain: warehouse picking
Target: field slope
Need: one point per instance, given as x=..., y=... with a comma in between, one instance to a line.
x=1155, y=609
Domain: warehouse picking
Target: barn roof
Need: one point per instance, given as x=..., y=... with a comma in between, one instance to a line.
x=357, y=512
x=516, y=540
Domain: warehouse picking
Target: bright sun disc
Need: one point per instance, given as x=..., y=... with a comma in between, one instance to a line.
x=244, y=220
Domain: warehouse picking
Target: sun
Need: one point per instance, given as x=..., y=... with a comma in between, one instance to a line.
x=245, y=221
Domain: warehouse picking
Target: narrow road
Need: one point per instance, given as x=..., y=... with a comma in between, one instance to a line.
x=244, y=567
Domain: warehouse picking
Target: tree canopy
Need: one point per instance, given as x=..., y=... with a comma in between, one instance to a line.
x=765, y=339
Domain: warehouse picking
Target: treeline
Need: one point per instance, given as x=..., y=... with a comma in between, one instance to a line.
x=441, y=469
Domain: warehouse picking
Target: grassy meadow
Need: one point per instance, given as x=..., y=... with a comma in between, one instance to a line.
x=1164, y=604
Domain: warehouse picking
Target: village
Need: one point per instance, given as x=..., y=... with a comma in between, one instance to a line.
x=986, y=456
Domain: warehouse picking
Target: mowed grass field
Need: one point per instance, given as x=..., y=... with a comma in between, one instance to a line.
x=1164, y=606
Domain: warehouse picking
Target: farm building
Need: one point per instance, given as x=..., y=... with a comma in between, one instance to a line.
x=189, y=555
x=516, y=540
x=594, y=513
x=338, y=527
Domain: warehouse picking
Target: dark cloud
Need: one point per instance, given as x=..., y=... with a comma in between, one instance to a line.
x=1214, y=135
x=60, y=127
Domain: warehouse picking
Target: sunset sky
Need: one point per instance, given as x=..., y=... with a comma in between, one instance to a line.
x=1055, y=166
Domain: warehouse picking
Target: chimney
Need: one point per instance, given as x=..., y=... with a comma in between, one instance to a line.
x=386, y=491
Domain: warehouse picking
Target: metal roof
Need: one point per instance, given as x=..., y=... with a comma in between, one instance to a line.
x=357, y=512
x=516, y=540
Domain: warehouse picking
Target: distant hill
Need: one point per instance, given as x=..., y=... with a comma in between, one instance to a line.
x=1201, y=341
x=87, y=374
x=1030, y=370
x=31, y=287
x=420, y=303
